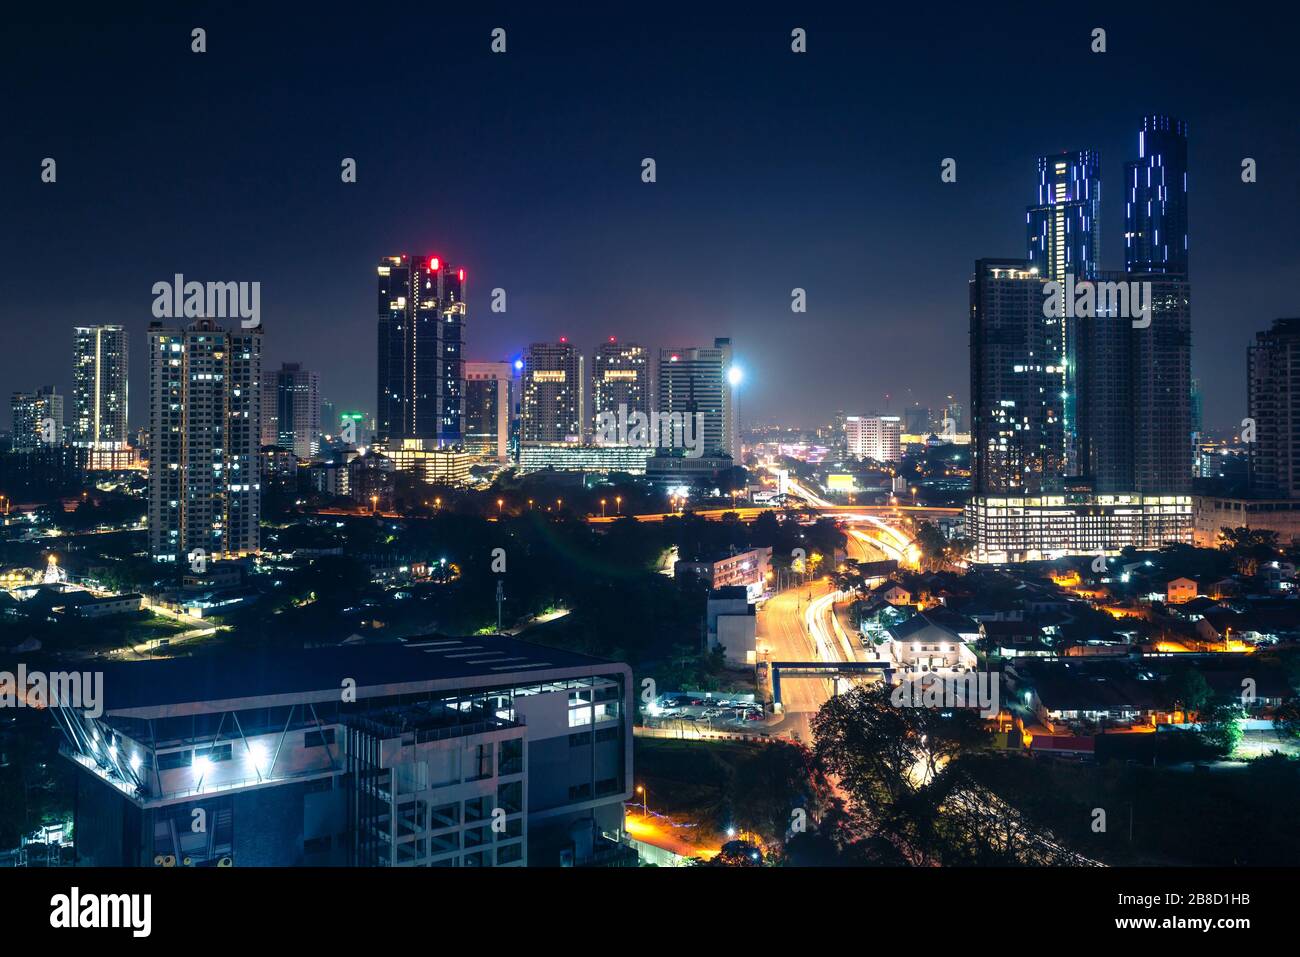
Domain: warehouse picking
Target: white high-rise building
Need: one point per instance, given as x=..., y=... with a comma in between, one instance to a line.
x=99, y=389
x=873, y=437
x=204, y=432
x=38, y=418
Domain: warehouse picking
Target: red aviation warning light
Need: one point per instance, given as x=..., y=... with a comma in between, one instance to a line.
x=461, y=275
x=434, y=264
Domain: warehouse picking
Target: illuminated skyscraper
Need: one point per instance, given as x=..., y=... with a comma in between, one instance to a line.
x=204, y=436
x=1155, y=201
x=553, y=408
x=1273, y=403
x=873, y=437
x=702, y=380
x=421, y=371
x=1135, y=382
x=1017, y=381
x=620, y=376
x=291, y=410
x=489, y=404
x=1064, y=223
x=99, y=387
x=38, y=418
x=1064, y=239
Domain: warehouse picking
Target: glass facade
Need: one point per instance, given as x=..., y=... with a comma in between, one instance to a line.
x=421, y=373
x=1155, y=202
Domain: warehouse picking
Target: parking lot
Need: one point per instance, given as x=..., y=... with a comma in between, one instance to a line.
x=712, y=712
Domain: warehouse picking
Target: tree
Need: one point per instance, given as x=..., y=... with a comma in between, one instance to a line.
x=778, y=781
x=939, y=553
x=1221, y=728
x=883, y=752
x=1286, y=718
x=1191, y=692
x=735, y=854
x=1248, y=547
x=932, y=545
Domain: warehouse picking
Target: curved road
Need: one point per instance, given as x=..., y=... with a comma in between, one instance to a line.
x=800, y=624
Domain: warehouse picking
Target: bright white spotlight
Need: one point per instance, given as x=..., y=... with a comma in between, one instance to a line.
x=735, y=375
x=257, y=755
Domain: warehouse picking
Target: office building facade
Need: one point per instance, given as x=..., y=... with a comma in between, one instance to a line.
x=578, y=457
x=1017, y=382
x=421, y=371
x=204, y=436
x=291, y=409
x=445, y=752
x=700, y=380
x=1135, y=419
x=489, y=409
x=427, y=461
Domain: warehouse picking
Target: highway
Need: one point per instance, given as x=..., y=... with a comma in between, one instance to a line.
x=801, y=624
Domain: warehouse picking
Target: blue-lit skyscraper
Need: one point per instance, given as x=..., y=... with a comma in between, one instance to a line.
x=1063, y=224
x=1064, y=238
x=1155, y=202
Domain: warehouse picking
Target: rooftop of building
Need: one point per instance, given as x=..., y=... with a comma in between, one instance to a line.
x=729, y=593
x=428, y=721
x=942, y=618
x=236, y=679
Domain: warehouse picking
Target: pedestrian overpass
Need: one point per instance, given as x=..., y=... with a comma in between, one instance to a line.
x=823, y=669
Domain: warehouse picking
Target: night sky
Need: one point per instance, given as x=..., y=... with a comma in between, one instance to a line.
x=775, y=170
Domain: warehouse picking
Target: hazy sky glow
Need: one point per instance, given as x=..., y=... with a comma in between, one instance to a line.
x=774, y=171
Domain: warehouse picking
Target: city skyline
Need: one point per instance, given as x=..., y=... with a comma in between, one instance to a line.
x=872, y=263
x=586, y=440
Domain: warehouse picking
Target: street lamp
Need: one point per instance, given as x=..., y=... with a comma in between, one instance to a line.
x=645, y=811
x=618, y=504
x=602, y=508
x=500, y=502
x=374, y=503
